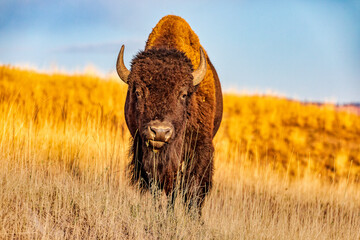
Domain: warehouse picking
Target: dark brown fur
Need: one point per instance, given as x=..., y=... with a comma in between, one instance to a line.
x=160, y=76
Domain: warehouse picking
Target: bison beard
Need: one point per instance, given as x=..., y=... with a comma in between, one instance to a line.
x=175, y=108
x=177, y=167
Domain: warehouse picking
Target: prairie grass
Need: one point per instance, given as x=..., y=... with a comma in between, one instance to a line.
x=283, y=170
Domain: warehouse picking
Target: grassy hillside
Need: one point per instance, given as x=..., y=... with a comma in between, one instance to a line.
x=282, y=168
x=293, y=136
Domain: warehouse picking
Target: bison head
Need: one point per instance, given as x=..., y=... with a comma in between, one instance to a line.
x=160, y=96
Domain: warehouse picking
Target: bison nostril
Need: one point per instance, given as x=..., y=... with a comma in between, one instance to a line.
x=152, y=132
x=168, y=134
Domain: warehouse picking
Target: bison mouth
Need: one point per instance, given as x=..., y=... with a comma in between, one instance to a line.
x=155, y=145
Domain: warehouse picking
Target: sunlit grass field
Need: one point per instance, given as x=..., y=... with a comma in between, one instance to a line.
x=283, y=169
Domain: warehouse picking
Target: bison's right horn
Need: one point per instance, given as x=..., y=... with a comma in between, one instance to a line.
x=122, y=71
x=199, y=73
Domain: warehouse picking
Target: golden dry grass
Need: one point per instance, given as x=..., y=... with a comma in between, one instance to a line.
x=284, y=170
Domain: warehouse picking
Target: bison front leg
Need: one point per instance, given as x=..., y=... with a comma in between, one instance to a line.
x=197, y=180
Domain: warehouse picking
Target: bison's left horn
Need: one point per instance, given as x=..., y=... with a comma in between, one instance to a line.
x=122, y=71
x=199, y=73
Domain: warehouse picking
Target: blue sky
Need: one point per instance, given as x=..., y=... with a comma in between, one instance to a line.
x=307, y=50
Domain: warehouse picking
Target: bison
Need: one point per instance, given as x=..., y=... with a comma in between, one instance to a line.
x=173, y=110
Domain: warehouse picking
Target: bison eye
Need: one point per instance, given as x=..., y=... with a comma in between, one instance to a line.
x=183, y=96
x=138, y=94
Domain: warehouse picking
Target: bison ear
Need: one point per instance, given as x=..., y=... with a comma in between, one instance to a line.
x=199, y=73
x=122, y=71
